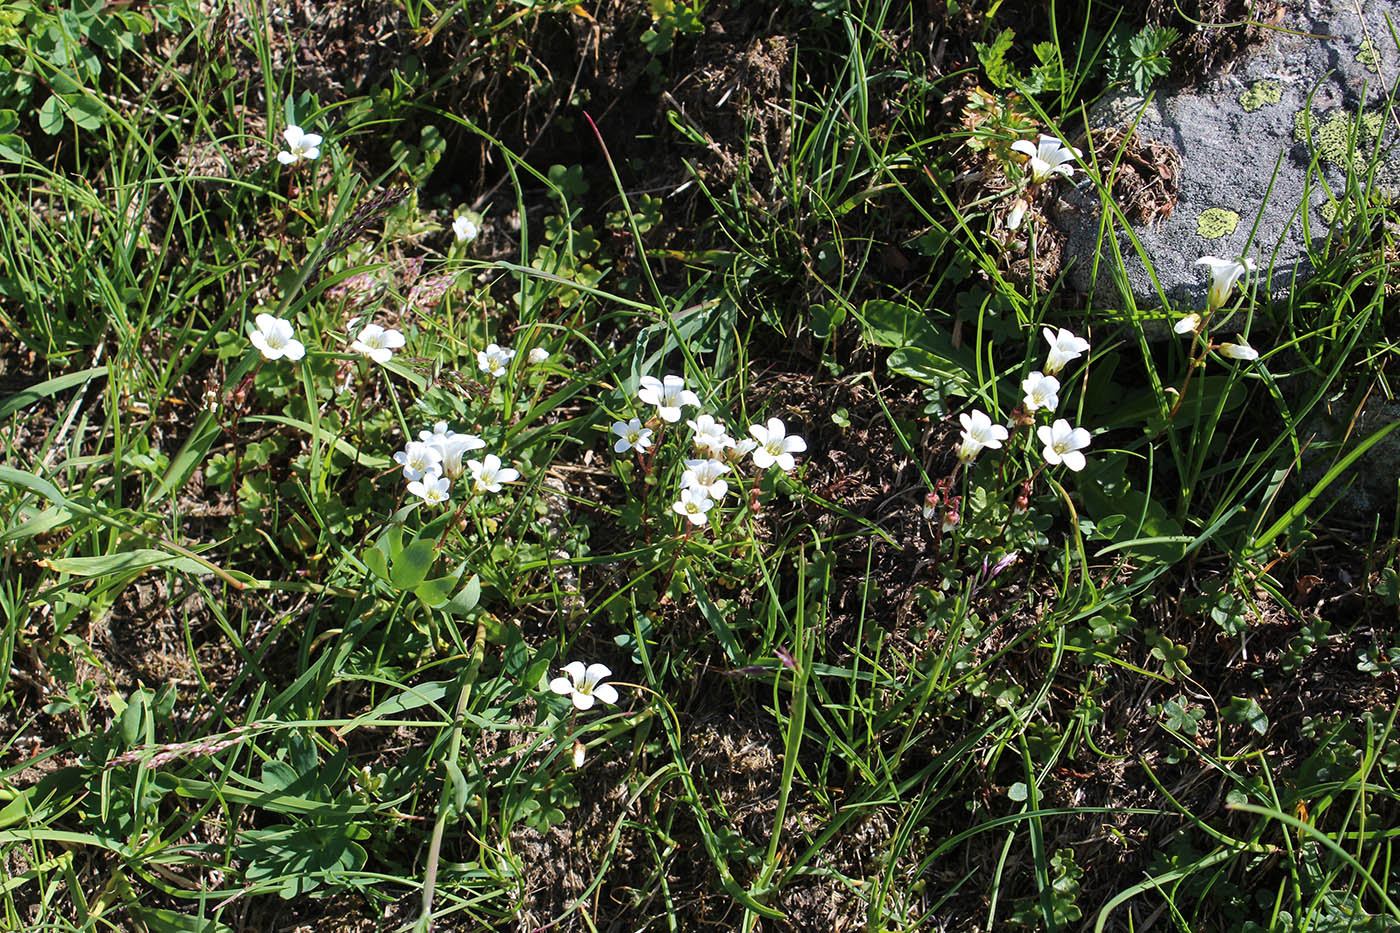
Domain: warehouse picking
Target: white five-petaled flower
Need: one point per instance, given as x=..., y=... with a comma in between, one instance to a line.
x=377, y=343
x=537, y=356
x=1239, y=351
x=1189, y=324
x=705, y=475
x=488, y=474
x=668, y=395
x=979, y=432
x=494, y=360
x=465, y=229
x=694, y=505
x=451, y=449
x=630, y=436
x=709, y=435
x=584, y=685
x=1224, y=273
x=1050, y=157
x=419, y=459
x=273, y=338
x=1042, y=391
x=300, y=145
x=775, y=445
x=1063, y=444
x=1064, y=347
x=432, y=488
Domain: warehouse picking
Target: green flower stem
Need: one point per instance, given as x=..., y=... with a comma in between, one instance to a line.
x=468, y=678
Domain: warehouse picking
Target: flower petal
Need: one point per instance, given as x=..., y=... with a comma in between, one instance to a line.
x=560, y=685
x=607, y=693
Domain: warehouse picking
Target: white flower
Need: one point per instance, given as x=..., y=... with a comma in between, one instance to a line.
x=584, y=685
x=668, y=395
x=775, y=445
x=465, y=229
x=273, y=338
x=979, y=432
x=488, y=474
x=432, y=488
x=451, y=449
x=1051, y=157
x=377, y=343
x=302, y=145
x=709, y=435
x=742, y=448
x=704, y=475
x=1064, y=347
x=694, y=505
x=537, y=356
x=1042, y=391
x=494, y=360
x=1224, y=273
x=630, y=436
x=418, y=460
x=1239, y=351
x=1189, y=324
x=1063, y=444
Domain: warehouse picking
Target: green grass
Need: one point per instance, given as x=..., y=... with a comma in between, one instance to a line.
x=247, y=681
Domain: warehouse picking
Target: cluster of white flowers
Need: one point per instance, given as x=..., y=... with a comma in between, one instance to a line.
x=495, y=360
x=703, y=484
x=1062, y=442
x=432, y=463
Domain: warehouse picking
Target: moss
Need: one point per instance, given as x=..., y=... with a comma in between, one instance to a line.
x=1216, y=222
x=1369, y=56
x=1261, y=94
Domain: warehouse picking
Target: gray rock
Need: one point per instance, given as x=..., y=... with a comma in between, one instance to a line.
x=1293, y=101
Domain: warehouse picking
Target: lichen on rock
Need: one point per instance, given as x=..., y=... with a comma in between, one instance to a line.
x=1261, y=94
x=1369, y=56
x=1216, y=222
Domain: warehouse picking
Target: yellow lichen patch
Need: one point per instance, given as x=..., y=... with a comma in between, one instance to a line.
x=1368, y=56
x=1261, y=94
x=1216, y=222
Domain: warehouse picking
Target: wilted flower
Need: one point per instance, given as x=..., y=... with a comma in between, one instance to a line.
x=494, y=360
x=584, y=685
x=377, y=343
x=273, y=338
x=465, y=229
x=1064, y=347
x=537, y=356
x=704, y=475
x=694, y=505
x=775, y=445
x=1189, y=324
x=1050, y=157
x=1018, y=213
x=302, y=145
x=1224, y=273
x=668, y=395
x=1239, y=351
x=979, y=432
x=930, y=507
x=1063, y=444
x=488, y=474
x=419, y=459
x=432, y=488
x=1042, y=391
x=709, y=435
x=630, y=436
x=741, y=449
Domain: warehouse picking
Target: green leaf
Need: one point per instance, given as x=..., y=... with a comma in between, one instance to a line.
x=993, y=57
x=467, y=597
x=1245, y=711
x=160, y=920
x=436, y=592
x=461, y=793
x=376, y=561
x=126, y=562
x=411, y=565
x=717, y=623
x=202, y=436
